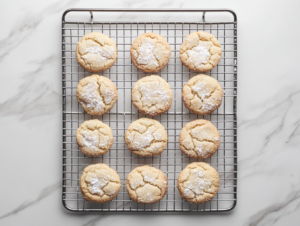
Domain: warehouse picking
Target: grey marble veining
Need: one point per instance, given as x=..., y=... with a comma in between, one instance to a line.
x=268, y=115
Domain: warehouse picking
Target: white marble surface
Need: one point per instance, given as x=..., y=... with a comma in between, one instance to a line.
x=268, y=115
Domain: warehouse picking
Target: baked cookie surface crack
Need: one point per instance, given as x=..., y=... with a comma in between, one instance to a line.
x=152, y=95
x=96, y=52
x=200, y=51
x=146, y=184
x=202, y=94
x=146, y=137
x=99, y=183
x=150, y=52
x=94, y=137
x=198, y=182
x=199, y=139
x=96, y=94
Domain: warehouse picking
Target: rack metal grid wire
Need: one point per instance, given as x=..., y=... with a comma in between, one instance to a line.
x=124, y=74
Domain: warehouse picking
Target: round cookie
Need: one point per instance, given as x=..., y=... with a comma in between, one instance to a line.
x=198, y=182
x=199, y=139
x=96, y=52
x=96, y=94
x=99, y=183
x=152, y=95
x=146, y=137
x=146, y=184
x=202, y=94
x=94, y=137
x=150, y=52
x=200, y=51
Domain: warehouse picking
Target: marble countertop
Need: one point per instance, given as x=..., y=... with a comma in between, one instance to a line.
x=268, y=115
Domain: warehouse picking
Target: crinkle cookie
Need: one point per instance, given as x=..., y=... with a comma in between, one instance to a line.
x=96, y=52
x=99, y=183
x=94, y=137
x=199, y=139
x=202, y=94
x=198, y=182
x=200, y=51
x=96, y=94
x=152, y=95
x=146, y=184
x=146, y=137
x=150, y=52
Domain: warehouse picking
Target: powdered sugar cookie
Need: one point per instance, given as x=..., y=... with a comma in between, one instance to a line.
x=94, y=137
x=146, y=184
x=96, y=52
x=152, y=95
x=150, y=52
x=198, y=182
x=99, y=183
x=202, y=94
x=200, y=51
x=96, y=94
x=199, y=139
x=146, y=137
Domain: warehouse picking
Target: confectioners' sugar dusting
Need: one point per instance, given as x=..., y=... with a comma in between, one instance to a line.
x=104, y=53
x=203, y=93
x=109, y=95
x=201, y=89
x=148, y=197
x=89, y=139
x=199, y=54
x=143, y=141
x=90, y=97
x=207, y=105
x=198, y=150
x=149, y=177
x=97, y=183
x=104, y=140
x=196, y=183
x=152, y=92
x=146, y=53
x=157, y=136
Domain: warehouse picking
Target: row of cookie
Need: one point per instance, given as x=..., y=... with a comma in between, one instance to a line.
x=197, y=183
x=150, y=52
x=147, y=137
x=151, y=95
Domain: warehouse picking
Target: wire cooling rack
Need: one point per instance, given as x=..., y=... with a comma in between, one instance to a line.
x=124, y=74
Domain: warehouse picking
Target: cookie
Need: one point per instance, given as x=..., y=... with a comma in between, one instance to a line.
x=96, y=94
x=150, y=52
x=96, y=52
x=99, y=183
x=152, y=95
x=202, y=94
x=94, y=137
x=146, y=137
x=199, y=139
x=146, y=184
x=200, y=51
x=198, y=182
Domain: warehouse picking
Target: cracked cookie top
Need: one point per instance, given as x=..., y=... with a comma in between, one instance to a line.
x=94, y=137
x=150, y=52
x=146, y=184
x=96, y=94
x=199, y=139
x=152, y=95
x=198, y=182
x=200, y=51
x=96, y=52
x=99, y=183
x=202, y=94
x=146, y=137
